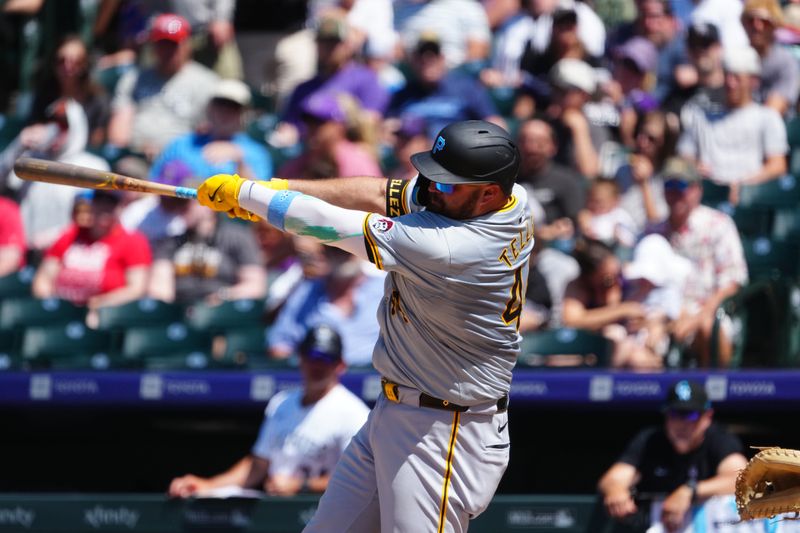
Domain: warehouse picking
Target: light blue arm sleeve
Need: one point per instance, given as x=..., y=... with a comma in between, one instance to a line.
x=305, y=215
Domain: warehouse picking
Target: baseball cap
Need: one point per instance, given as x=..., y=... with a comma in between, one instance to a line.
x=564, y=12
x=110, y=195
x=702, y=35
x=571, y=73
x=175, y=172
x=741, y=60
x=170, y=27
x=428, y=41
x=321, y=343
x=232, y=90
x=323, y=106
x=412, y=125
x=641, y=52
x=332, y=28
x=655, y=261
x=678, y=169
x=763, y=9
x=687, y=396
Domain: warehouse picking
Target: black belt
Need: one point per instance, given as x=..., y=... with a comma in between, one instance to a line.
x=426, y=400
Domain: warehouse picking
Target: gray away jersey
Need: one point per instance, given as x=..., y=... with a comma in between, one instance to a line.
x=454, y=294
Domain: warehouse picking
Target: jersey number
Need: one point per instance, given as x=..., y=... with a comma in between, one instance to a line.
x=513, y=309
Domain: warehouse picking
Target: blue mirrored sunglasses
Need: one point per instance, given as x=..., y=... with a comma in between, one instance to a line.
x=676, y=185
x=446, y=188
x=689, y=416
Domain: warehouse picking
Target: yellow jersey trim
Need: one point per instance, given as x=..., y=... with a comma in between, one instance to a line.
x=451, y=448
x=509, y=204
x=373, y=254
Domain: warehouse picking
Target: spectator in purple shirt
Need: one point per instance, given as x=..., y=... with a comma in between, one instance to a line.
x=337, y=72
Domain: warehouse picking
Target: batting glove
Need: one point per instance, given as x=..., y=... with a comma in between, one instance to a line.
x=221, y=192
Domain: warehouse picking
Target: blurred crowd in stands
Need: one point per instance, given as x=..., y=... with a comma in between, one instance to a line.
x=627, y=113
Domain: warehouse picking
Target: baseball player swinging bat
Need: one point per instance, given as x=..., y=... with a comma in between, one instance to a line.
x=32, y=169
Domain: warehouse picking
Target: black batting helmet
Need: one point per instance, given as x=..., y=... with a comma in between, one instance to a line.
x=471, y=151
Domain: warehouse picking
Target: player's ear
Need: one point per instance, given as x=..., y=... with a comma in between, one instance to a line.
x=492, y=192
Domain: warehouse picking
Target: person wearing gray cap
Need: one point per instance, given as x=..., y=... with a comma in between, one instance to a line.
x=304, y=430
x=684, y=462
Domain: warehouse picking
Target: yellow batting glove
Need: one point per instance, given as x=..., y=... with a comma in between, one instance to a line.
x=278, y=184
x=221, y=193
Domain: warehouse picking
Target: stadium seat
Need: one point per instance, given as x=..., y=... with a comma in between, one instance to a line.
x=565, y=347
x=9, y=359
x=171, y=346
x=24, y=312
x=70, y=345
x=144, y=312
x=16, y=314
x=17, y=285
x=786, y=224
x=770, y=258
x=246, y=349
x=782, y=192
x=761, y=325
x=245, y=346
x=235, y=314
x=716, y=196
x=753, y=221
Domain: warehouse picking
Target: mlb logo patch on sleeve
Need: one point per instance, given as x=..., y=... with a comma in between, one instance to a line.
x=381, y=225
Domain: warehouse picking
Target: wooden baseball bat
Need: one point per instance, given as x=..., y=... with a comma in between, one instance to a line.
x=29, y=168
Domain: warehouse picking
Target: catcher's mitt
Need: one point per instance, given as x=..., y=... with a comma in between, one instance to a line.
x=769, y=485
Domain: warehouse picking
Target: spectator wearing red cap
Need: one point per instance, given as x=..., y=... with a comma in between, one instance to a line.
x=154, y=105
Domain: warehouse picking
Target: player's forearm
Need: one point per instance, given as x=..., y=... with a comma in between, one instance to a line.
x=235, y=475
x=361, y=193
x=305, y=215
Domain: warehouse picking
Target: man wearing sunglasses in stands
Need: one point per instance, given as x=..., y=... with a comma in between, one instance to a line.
x=709, y=239
x=685, y=461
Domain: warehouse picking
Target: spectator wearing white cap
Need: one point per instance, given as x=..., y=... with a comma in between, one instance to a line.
x=218, y=145
x=780, y=73
x=574, y=82
x=746, y=142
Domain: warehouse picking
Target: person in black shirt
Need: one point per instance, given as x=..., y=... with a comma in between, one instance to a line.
x=687, y=460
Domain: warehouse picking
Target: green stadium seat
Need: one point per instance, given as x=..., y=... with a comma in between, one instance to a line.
x=565, y=347
x=24, y=312
x=752, y=221
x=16, y=314
x=245, y=347
x=70, y=345
x=144, y=312
x=782, y=192
x=716, y=195
x=760, y=316
x=786, y=224
x=9, y=356
x=165, y=346
x=234, y=314
x=770, y=258
x=17, y=285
